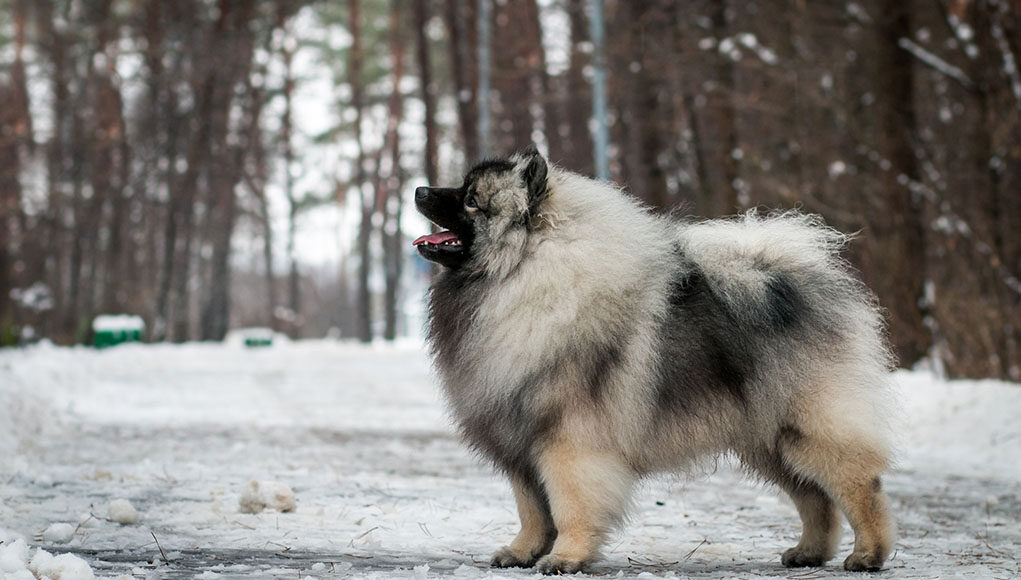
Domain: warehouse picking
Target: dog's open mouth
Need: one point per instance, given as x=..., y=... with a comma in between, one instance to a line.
x=444, y=248
x=446, y=238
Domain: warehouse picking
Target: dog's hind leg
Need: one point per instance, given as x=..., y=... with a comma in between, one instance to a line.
x=820, y=518
x=820, y=526
x=537, y=532
x=849, y=470
x=588, y=491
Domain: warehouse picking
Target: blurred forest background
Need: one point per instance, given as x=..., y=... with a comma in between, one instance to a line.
x=176, y=160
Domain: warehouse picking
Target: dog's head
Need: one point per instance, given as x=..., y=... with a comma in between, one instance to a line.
x=486, y=220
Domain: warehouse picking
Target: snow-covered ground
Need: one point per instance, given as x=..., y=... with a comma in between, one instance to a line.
x=384, y=490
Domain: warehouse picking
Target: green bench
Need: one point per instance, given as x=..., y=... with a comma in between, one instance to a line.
x=113, y=329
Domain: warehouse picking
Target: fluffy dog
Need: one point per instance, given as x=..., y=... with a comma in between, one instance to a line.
x=584, y=342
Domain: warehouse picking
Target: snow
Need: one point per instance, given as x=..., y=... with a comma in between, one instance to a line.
x=17, y=562
x=836, y=169
x=970, y=425
x=62, y=567
x=122, y=512
x=59, y=533
x=13, y=553
x=937, y=63
x=36, y=297
x=115, y=322
x=383, y=489
x=1010, y=66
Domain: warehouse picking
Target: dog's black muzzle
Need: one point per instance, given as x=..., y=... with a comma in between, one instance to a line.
x=444, y=207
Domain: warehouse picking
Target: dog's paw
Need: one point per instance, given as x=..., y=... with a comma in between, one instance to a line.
x=505, y=558
x=864, y=562
x=553, y=564
x=800, y=558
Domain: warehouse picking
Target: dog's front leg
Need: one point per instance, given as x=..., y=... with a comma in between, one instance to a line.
x=588, y=492
x=537, y=531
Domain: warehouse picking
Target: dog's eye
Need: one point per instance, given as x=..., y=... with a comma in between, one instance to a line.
x=471, y=202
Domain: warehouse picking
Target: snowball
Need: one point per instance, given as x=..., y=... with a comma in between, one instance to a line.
x=62, y=567
x=122, y=512
x=58, y=533
x=260, y=495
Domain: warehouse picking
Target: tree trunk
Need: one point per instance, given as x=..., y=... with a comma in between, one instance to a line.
x=287, y=145
x=54, y=245
x=368, y=205
x=15, y=141
x=164, y=123
x=575, y=135
x=895, y=264
x=259, y=176
x=515, y=74
x=237, y=40
x=461, y=28
x=720, y=128
x=428, y=91
x=393, y=251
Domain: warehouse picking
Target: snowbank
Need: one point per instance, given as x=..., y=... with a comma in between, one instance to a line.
x=26, y=401
x=964, y=427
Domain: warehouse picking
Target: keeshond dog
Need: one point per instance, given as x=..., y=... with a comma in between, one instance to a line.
x=584, y=342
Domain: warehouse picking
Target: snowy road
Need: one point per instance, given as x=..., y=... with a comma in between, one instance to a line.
x=384, y=490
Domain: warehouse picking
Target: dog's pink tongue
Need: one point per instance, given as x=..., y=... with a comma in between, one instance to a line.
x=437, y=238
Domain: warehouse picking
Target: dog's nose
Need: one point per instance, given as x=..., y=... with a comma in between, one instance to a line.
x=421, y=193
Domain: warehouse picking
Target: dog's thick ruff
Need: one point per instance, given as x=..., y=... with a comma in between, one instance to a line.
x=584, y=342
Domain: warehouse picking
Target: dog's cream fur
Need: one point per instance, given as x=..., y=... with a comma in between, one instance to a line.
x=592, y=279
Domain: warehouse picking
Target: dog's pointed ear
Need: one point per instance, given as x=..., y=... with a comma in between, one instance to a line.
x=535, y=177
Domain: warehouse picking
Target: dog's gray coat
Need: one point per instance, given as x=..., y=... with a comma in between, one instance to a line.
x=584, y=342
